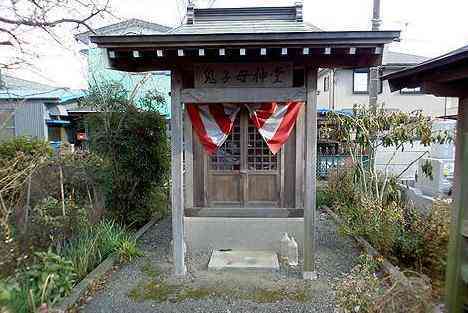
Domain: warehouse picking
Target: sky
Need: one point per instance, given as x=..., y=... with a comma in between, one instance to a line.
x=429, y=28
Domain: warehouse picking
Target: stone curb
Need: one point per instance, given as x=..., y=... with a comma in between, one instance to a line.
x=80, y=289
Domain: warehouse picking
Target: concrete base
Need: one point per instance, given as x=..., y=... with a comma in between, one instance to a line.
x=203, y=233
x=243, y=260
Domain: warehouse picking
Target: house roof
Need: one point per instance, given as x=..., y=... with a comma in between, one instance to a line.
x=448, y=70
x=398, y=58
x=20, y=89
x=128, y=27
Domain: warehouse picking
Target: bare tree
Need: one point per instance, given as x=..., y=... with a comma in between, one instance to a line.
x=22, y=20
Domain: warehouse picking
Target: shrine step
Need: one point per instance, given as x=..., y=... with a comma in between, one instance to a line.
x=227, y=259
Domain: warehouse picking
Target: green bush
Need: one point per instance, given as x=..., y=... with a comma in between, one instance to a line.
x=399, y=232
x=93, y=245
x=48, y=279
x=24, y=146
x=134, y=142
x=127, y=250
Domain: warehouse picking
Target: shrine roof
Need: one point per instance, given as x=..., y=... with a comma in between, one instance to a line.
x=228, y=26
x=241, y=34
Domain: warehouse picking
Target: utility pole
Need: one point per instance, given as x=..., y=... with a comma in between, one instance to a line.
x=374, y=79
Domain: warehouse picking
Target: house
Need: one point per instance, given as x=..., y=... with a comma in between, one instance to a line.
x=240, y=176
x=447, y=76
x=343, y=88
x=39, y=111
x=147, y=82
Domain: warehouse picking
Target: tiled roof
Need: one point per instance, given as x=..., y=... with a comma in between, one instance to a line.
x=241, y=27
x=390, y=57
x=245, y=20
x=128, y=27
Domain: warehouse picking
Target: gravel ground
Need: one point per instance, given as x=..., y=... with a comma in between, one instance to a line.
x=228, y=292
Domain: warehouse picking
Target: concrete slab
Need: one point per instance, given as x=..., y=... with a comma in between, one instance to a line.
x=243, y=260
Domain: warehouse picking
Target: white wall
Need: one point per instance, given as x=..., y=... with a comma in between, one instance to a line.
x=401, y=160
x=345, y=98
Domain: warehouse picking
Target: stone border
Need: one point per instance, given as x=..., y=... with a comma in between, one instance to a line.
x=80, y=289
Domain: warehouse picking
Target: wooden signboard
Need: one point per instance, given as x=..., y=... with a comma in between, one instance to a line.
x=221, y=75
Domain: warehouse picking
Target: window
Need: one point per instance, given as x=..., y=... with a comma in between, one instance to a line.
x=228, y=156
x=361, y=81
x=326, y=83
x=259, y=156
x=7, y=124
x=416, y=90
x=54, y=133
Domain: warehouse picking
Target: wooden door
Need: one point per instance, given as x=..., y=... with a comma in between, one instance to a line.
x=243, y=172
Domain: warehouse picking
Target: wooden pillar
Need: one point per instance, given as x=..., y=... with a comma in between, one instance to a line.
x=310, y=174
x=374, y=83
x=188, y=152
x=455, y=289
x=177, y=194
x=300, y=134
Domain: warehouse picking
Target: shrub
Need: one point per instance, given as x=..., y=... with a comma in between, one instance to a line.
x=127, y=250
x=364, y=291
x=359, y=289
x=133, y=140
x=24, y=146
x=50, y=278
x=96, y=243
x=375, y=221
x=434, y=233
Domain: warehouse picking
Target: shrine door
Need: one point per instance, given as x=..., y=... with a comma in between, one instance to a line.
x=243, y=172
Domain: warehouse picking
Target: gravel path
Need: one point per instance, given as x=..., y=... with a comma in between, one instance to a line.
x=146, y=284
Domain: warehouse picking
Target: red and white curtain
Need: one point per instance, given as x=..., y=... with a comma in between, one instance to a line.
x=213, y=122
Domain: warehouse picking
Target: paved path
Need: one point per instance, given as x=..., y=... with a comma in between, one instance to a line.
x=146, y=285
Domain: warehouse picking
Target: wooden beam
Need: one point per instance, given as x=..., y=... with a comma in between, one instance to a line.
x=125, y=62
x=310, y=174
x=188, y=153
x=458, y=72
x=454, y=89
x=177, y=192
x=216, y=95
x=454, y=284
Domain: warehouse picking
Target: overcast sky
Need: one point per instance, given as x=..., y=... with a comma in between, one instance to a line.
x=429, y=28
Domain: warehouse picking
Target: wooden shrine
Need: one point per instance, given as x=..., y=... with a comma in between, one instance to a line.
x=243, y=193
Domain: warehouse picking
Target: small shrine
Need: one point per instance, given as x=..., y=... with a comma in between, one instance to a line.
x=244, y=120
